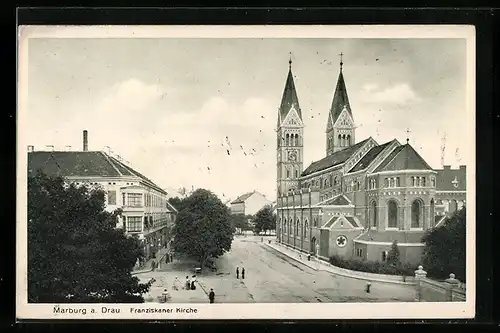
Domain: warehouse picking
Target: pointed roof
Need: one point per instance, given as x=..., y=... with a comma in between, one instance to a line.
x=83, y=164
x=340, y=99
x=403, y=157
x=289, y=98
x=369, y=157
x=336, y=158
x=243, y=197
x=339, y=200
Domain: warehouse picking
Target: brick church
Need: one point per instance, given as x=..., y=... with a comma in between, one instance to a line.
x=362, y=195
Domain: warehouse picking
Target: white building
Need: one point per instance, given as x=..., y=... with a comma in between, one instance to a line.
x=249, y=203
x=145, y=209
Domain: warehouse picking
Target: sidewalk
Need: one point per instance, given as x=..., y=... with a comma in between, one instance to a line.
x=319, y=265
x=147, y=265
x=165, y=280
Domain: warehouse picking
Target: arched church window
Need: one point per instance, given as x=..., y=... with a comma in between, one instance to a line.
x=287, y=139
x=335, y=181
x=296, y=139
x=326, y=182
x=392, y=214
x=423, y=181
x=340, y=140
x=348, y=142
x=296, y=173
x=416, y=214
x=287, y=173
x=330, y=178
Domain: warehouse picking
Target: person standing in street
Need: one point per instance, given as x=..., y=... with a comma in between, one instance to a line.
x=188, y=283
x=211, y=295
x=243, y=273
x=237, y=272
x=153, y=265
x=193, y=280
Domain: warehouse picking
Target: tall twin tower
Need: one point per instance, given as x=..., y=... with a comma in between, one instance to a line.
x=340, y=131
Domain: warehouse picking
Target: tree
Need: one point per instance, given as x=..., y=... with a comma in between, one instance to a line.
x=177, y=202
x=239, y=221
x=445, y=248
x=265, y=219
x=75, y=252
x=203, y=229
x=393, y=257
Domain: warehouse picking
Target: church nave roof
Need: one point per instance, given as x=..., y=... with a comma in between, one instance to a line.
x=336, y=158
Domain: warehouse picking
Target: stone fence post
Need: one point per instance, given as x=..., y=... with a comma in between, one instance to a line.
x=419, y=275
x=451, y=283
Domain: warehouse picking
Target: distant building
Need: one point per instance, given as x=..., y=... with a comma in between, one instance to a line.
x=249, y=203
x=146, y=211
x=362, y=195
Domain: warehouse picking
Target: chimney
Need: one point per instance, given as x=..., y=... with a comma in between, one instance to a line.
x=85, y=141
x=31, y=149
x=446, y=167
x=462, y=167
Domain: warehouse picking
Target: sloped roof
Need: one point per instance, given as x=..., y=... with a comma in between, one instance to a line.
x=339, y=200
x=340, y=99
x=242, y=197
x=82, y=164
x=369, y=157
x=289, y=98
x=336, y=158
x=330, y=222
x=403, y=157
x=390, y=236
x=352, y=221
x=446, y=176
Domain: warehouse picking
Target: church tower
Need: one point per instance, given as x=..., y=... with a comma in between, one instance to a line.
x=290, y=134
x=340, y=130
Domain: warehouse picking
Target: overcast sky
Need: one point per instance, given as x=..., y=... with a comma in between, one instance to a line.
x=167, y=105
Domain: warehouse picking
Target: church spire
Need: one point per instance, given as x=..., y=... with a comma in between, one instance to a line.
x=340, y=98
x=289, y=98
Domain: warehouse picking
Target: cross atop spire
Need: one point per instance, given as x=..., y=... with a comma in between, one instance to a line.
x=341, y=63
x=407, y=135
x=290, y=61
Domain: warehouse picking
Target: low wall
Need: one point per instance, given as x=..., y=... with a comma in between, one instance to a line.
x=435, y=291
x=375, y=276
x=410, y=280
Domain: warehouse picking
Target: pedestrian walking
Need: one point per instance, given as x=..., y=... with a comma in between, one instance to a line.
x=237, y=272
x=176, y=284
x=153, y=265
x=243, y=273
x=193, y=280
x=188, y=283
x=211, y=295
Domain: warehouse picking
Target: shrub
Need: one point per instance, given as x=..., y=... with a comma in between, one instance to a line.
x=376, y=267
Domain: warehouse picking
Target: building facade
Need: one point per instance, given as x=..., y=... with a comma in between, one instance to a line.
x=361, y=196
x=145, y=211
x=249, y=203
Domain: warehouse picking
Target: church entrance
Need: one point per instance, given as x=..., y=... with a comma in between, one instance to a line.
x=313, y=245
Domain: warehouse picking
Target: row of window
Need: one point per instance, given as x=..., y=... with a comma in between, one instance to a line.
x=343, y=141
x=294, y=172
x=290, y=140
x=135, y=223
x=322, y=183
x=135, y=200
x=417, y=213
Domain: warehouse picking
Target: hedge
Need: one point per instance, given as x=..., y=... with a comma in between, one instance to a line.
x=376, y=267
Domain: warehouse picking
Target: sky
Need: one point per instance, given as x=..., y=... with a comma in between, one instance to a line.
x=201, y=113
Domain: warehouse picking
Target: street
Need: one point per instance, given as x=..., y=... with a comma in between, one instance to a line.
x=272, y=277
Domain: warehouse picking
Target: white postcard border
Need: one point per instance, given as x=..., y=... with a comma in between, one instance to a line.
x=258, y=310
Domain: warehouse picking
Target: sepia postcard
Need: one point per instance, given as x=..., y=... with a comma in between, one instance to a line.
x=246, y=172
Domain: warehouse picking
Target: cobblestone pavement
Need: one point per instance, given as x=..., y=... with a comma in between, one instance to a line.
x=271, y=277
